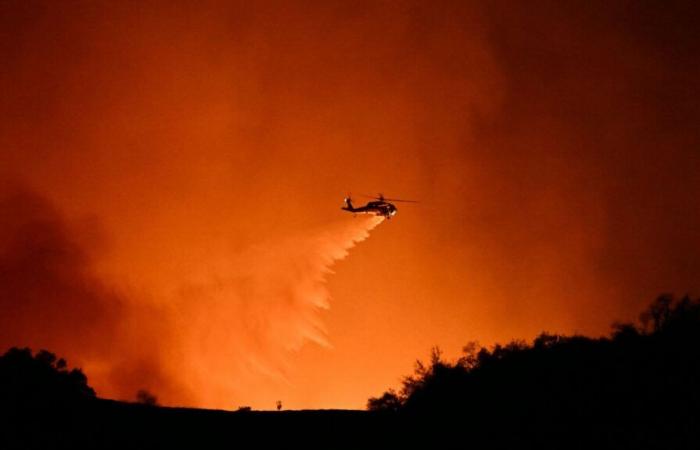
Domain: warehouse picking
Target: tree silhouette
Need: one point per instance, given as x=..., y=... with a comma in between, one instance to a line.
x=40, y=381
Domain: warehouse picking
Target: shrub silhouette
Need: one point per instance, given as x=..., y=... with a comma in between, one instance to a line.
x=40, y=381
x=389, y=401
x=145, y=397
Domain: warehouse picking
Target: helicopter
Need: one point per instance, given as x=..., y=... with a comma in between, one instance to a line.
x=379, y=207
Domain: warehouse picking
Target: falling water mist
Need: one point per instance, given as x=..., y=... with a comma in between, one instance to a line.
x=238, y=329
x=234, y=328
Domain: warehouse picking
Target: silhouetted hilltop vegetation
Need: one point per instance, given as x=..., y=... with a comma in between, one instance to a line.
x=40, y=381
x=44, y=404
x=639, y=387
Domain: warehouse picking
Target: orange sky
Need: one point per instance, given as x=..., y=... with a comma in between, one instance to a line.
x=151, y=153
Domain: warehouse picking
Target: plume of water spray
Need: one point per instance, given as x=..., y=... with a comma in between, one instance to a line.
x=258, y=307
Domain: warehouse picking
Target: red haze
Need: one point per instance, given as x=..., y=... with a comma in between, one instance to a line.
x=554, y=147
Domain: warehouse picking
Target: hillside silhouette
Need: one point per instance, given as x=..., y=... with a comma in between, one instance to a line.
x=637, y=388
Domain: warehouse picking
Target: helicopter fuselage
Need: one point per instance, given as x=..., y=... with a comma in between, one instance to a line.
x=378, y=208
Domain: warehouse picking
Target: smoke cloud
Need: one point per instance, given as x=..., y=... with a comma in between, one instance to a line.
x=49, y=297
x=553, y=146
x=221, y=333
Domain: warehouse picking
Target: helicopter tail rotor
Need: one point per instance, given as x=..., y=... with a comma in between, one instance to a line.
x=348, y=201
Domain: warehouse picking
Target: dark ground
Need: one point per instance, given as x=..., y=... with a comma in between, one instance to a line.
x=110, y=424
x=107, y=424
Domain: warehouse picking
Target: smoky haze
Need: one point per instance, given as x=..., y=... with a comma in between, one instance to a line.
x=224, y=331
x=553, y=147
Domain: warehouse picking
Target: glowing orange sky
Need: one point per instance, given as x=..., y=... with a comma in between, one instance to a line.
x=554, y=149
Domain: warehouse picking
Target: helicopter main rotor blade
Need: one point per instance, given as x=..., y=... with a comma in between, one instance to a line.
x=382, y=198
x=399, y=200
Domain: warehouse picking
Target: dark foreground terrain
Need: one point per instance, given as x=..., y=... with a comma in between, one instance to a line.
x=638, y=388
x=109, y=424
x=44, y=404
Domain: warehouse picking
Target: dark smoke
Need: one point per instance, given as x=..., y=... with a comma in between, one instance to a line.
x=48, y=296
